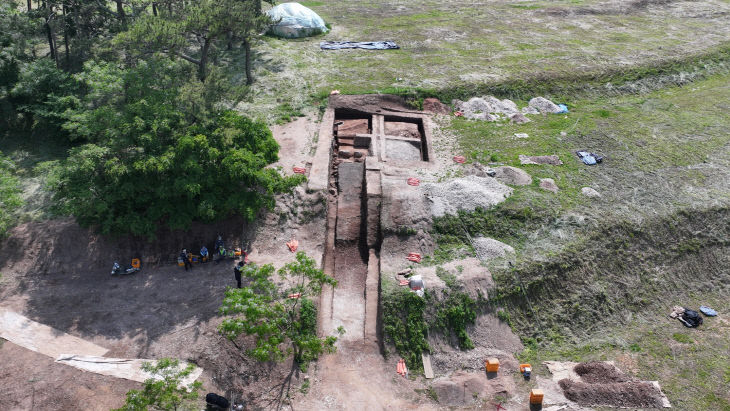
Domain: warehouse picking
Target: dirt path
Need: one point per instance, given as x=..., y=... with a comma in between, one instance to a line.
x=32, y=381
x=357, y=377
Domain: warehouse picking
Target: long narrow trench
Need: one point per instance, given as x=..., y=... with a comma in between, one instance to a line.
x=351, y=254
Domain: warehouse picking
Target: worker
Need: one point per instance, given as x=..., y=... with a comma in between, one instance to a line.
x=203, y=253
x=186, y=259
x=237, y=271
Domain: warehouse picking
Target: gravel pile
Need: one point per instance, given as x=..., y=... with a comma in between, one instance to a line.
x=489, y=248
x=490, y=108
x=467, y=193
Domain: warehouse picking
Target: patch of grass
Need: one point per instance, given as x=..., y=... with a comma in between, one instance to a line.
x=682, y=338
x=694, y=376
x=453, y=315
x=304, y=388
x=404, y=325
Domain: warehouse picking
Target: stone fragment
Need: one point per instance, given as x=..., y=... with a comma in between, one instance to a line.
x=548, y=184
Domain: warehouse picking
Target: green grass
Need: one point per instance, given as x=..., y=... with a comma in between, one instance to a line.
x=453, y=49
x=692, y=365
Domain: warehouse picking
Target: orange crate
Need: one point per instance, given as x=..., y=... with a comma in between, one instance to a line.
x=492, y=365
x=536, y=396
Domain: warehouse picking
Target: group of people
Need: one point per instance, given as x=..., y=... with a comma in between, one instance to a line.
x=220, y=250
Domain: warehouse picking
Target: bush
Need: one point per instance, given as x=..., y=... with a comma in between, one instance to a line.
x=151, y=161
x=405, y=327
x=10, y=199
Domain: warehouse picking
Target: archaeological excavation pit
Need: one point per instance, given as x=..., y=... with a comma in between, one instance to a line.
x=360, y=138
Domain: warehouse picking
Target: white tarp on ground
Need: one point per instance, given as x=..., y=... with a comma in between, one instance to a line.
x=41, y=338
x=294, y=21
x=130, y=369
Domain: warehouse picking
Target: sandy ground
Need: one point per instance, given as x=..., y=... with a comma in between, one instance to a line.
x=296, y=140
x=32, y=381
x=357, y=377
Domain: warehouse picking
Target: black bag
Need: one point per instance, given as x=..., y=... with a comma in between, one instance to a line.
x=691, y=318
x=217, y=400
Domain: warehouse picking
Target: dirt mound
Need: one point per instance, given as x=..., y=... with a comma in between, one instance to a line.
x=602, y=383
x=598, y=372
x=489, y=248
x=620, y=394
x=468, y=193
x=548, y=184
x=463, y=388
x=513, y=176
x=433, y=105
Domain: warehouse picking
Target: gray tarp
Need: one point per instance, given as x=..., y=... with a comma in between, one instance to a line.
x=367, y=45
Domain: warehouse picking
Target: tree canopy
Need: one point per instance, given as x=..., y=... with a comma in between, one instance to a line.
x=283, y=322
x=151, y=157
x=165, y=391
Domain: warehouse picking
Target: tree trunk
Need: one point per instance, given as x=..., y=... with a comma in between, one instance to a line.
x=154, y=9
x=65, y=37
x=247, y=49
x=49, y=33
x=229, y=38
x=120, y=12
x=204, y=59
x=30, y=5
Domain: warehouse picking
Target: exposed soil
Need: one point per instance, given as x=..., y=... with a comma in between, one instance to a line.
x=597, y=372
x=32, y=381
x=58, y=274
x=603, y=384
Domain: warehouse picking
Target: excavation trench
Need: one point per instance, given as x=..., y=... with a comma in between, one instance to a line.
x=360, y=136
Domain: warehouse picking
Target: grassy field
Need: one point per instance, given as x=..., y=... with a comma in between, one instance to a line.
x=692, y=365
x=450, y=44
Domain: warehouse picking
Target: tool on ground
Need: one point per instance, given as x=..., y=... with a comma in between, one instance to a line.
x=300, y=170
x=415, y=257
x=133, y=268
x=293, y=244
x=401, y=367
x=459, y=159
x=526, y=370
x=413, y=181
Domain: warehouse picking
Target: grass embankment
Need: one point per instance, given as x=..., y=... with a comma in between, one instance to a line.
x=595, y=278
x=458, y=49
x=664, y=151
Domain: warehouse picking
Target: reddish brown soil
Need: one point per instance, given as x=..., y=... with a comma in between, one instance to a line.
x=599, y=372
x=604, y=384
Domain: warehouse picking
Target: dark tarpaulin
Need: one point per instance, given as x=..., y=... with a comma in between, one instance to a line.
x=367, y=45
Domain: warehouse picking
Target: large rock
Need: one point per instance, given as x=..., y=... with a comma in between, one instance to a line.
x=590, y=192
x=294, y=21
x=543, y=105
x=548, y=184
x=512, y=175
x=551, y=160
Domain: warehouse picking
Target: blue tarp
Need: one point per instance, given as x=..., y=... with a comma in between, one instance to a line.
x=708, y=311
x=563, y=108
x=367, y=45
